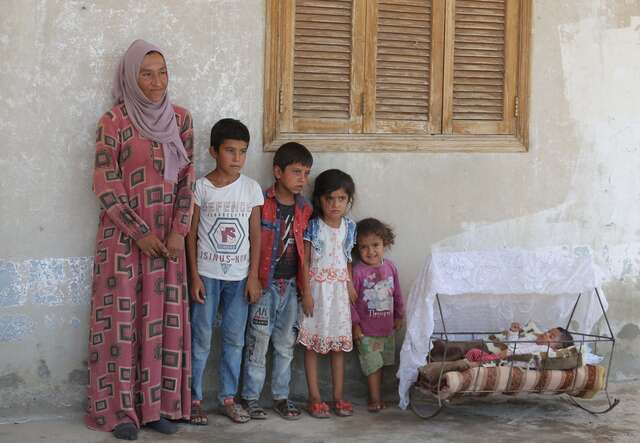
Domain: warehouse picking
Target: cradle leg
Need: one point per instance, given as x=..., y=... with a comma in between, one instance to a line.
x=612, y=404
x=424, y=409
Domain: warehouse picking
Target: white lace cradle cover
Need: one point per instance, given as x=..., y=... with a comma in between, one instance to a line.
x=486, y=290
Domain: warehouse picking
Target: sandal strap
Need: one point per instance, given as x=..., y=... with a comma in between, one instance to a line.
x=254, y=407
x=286, y=405
x=198, y=415
x=344, y=405
x=237, y=411
x=319, y=407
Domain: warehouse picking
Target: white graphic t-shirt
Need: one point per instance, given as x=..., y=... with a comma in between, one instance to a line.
x=223, y=232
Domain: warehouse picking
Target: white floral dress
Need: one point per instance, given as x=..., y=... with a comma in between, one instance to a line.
x=329, y=328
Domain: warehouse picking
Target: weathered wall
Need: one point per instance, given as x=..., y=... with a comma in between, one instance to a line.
x=579, y=184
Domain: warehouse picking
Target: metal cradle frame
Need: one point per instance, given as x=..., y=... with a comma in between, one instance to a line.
x=580, y=339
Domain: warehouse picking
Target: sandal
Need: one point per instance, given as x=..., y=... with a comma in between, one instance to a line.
x=318, y=410
x=375, y=407
x=198, y=416
x=286, y=409
x=343, y=408
x=234, y=411
x=254, y=409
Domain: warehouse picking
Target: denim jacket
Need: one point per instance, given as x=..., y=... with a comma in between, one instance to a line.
x=270, y=234
x=311, y=235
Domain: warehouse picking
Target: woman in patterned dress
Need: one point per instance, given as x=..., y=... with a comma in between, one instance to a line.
x=139, y=338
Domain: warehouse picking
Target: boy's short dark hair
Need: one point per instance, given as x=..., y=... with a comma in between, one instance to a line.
x=566, y=339
x=228, y=128
x=291, y=153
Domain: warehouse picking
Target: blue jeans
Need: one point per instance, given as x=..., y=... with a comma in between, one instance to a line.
x=274, y=318
x=229, y=295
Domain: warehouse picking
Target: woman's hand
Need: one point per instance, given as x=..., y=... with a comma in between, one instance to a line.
x=198, y=294
x=152, y=246
x=253, y=291
x=307, y=304
x=398, y=323
x=175, y=245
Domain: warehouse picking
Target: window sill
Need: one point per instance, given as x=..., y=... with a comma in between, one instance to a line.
x=401, y=143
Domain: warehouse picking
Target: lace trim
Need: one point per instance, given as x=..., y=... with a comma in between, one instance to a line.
x=323, y=345
x=329, y=275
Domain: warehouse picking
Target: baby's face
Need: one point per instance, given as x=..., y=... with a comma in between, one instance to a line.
x=551, y=338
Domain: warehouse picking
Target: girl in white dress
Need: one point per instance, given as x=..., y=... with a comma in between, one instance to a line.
x=326, y=324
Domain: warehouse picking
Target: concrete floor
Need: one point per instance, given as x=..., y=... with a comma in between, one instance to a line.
x=534, y=418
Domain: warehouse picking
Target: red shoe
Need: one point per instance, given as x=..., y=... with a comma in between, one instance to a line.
x=343, y=408
x=318, y=410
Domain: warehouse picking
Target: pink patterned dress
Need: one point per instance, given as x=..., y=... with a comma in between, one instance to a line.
x=140, y=336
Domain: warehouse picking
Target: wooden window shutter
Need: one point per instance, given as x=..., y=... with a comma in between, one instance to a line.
x=321, y=89
x=404, y=66
x=377, y=75
x=480, y=66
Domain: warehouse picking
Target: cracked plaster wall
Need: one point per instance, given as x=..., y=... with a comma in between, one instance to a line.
x=578, y=184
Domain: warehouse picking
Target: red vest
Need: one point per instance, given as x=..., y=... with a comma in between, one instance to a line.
x=270, y=230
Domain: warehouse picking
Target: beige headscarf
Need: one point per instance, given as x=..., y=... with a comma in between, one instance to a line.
x=155, y=121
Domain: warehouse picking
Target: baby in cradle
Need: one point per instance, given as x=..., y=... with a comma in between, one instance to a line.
x=521, y=341
x=519, y=346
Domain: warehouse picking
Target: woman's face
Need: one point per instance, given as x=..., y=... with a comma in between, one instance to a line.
x=153, y=77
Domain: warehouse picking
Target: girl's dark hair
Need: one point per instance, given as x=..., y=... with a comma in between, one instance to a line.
x=329, y=181
x=368, y=226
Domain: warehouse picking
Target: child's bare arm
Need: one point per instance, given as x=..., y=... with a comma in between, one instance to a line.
x=353, y=295
x=197, y=288
x=307, y=300
x=356, y=331
x=254, y=289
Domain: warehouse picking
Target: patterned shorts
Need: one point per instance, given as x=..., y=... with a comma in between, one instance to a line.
x=376, y=352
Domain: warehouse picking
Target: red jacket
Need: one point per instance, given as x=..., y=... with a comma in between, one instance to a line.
x=270, y=225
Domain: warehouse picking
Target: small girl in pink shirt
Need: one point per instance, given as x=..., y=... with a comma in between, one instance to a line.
x=378, y=310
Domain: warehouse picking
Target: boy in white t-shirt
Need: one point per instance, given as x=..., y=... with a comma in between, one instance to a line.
x=223, y=252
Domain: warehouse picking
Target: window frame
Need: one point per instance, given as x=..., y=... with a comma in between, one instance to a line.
x=279, y=24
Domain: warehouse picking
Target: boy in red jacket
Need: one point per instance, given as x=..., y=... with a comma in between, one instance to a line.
x=274, y=316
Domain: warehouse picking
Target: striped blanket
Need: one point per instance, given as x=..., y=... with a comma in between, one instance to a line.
x=582, y=382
